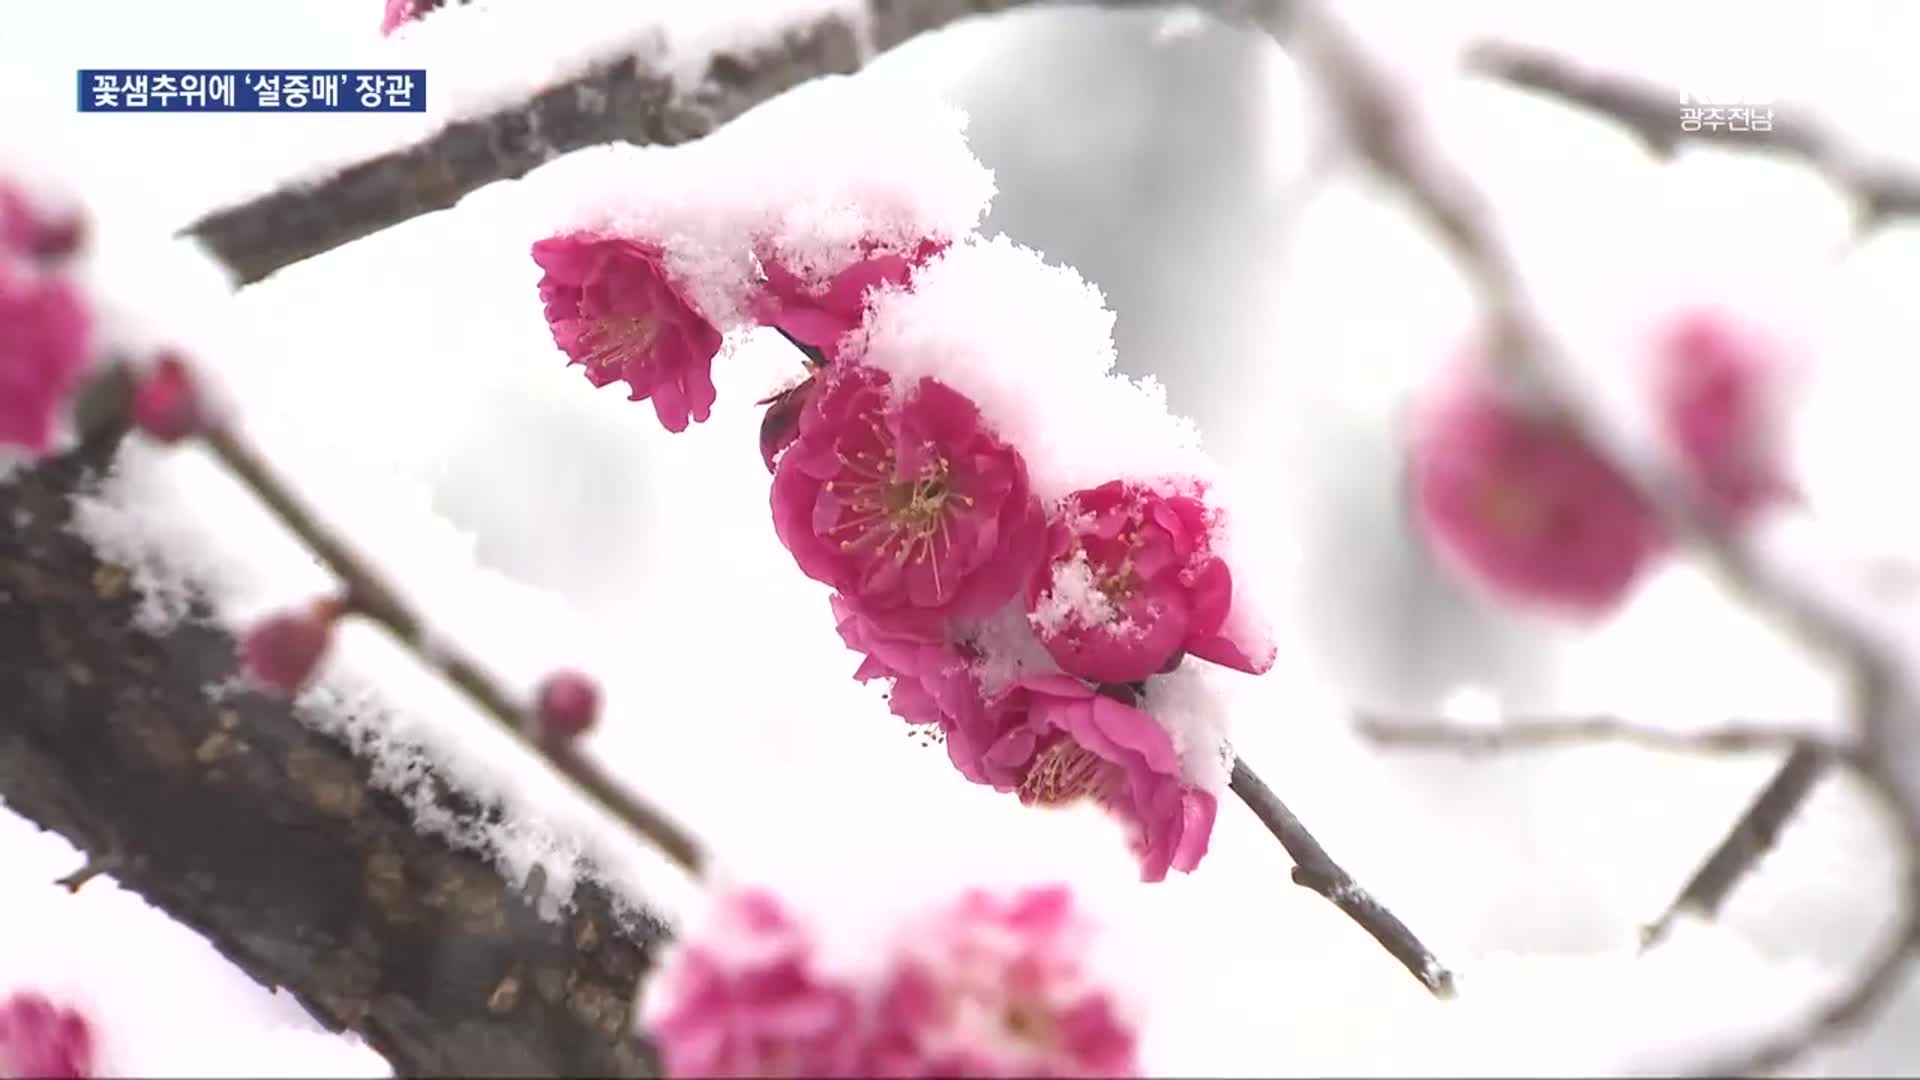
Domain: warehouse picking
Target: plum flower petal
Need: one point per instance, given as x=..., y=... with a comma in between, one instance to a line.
x=1132, y=583
x=615, y=310
x=1090, y=745
x=1521, y=507
x=745, y=999
x=46, y=344
x=1716, y=391
x=932, y=680
x=41, y=1039
x=913, y=510
x=821, y=314
x=999, y=986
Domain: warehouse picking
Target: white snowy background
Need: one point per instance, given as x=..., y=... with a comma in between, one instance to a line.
x=411, y=379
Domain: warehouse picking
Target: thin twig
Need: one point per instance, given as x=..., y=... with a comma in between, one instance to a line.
x=369, y=596
x=93, y=867
x=1752, y=836
x=1314, y=869
x=1540, y=733
x=1384, y=126
x=1652, y=111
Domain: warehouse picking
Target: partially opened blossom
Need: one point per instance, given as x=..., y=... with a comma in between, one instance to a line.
x=1717, y=392
x=42, y=1040
x=1131, y=584
x=913, y=509
x=616, y=310
x=1517, y=504
x=999, y=986
x=1079, y=743
x=820, y=313
x=46, y=344
x=745, y=998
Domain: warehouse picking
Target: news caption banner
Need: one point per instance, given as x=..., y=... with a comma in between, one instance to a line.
x=258, y=90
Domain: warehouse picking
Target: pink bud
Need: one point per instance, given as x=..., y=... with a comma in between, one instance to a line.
x=166, y=405
x=566, y=707
x=281, y=653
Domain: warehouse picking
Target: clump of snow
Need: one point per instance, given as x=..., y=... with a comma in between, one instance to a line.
x=1195, y=702
x=1032, y=345
x=808, y=178
x=1074, y=598
x=1006, y=649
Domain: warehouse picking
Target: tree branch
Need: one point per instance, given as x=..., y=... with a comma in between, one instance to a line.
x=1752, y=836
x=238, y=819
x=631, y=98
x=1314, y=869
x=372, y=598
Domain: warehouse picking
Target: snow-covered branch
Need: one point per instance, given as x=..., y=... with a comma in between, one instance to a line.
x=276, y=840
x=1820, y=604
x=1882, y=187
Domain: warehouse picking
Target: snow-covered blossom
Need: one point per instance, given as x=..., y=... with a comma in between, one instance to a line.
x=906, y=504
x=281, y=653
x=1131, y=584
x=615, y=310
x=998, y=986
x=984, y=986
x=565, y=706
x=34, y=231
x=41, y=1040
x=166, y=404
x=820, y=313
x=1520, y=505
x=745, y=998
x=46, y=344
x=1716, y=390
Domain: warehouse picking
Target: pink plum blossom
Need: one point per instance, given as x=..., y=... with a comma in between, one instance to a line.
x=1519, y=505
x=616, y=310
x=1056, y=741
x=998, y=986
x=46, y=344
x=44, y=1041
x=821, y=314
x=32, y=231
x=1131, y=584
x=1715, y=389
x=745, y=999
x=912, y=509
